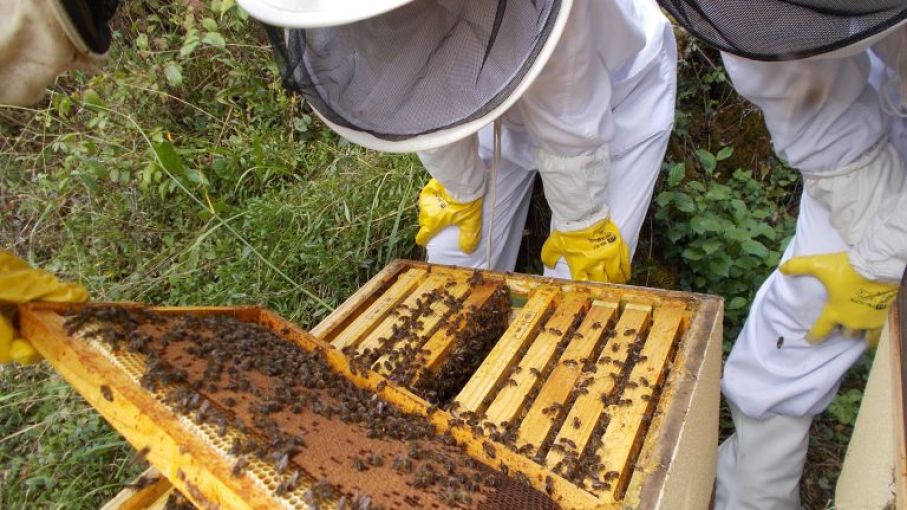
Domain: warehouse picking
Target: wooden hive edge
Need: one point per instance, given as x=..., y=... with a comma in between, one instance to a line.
x=518, y=283
x=189, y=464
x=153, y=495
x=360, y=299
x=698, y=357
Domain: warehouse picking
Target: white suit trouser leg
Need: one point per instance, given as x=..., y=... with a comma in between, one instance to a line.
x=633, y=176
x=774, y=390
x=761, y=463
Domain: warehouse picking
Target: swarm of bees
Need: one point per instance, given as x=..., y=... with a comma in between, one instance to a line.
x=220, y=354
x=234, y=355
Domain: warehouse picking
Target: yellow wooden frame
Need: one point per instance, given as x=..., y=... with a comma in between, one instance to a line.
x=203, y=475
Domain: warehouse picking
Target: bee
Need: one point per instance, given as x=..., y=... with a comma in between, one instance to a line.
x=282, y=463
x=630, y=332
x=601, y=486
x=549, y=485
x=596, y=325
x=359, y=464
x=106, y=393
x=780, y=343
x=489, y=450
x=239, y=465
x=577, y=422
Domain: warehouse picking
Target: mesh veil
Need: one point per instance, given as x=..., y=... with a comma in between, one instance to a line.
x=424, y=67
x=785, y=29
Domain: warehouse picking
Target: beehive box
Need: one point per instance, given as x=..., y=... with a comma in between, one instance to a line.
x=600, y=396
x=622, y=379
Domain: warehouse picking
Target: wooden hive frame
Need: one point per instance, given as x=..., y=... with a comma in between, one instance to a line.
x=673, y=464
x=669, y=464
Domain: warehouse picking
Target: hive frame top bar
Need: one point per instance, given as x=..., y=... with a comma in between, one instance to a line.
x=521, y=283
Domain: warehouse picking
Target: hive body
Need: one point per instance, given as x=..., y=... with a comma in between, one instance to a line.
x=599, y=396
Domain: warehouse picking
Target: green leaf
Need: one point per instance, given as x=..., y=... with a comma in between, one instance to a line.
x=696, y=186
x=711, y=246
x=736, y=303
x=169, y=158
x=684, y=203
x=676, y=174
x=718, y=192
x=846, y=406
x=196, y=176
x=720, y=266
x=214, y=39
x=724, y=153
x=141, y=42
x=91, y=99
x=190, y=43
x=174, y=74
x=754, y=248
x=707, y=160
x=664, y=198
x=209, y=24
x=692, y=253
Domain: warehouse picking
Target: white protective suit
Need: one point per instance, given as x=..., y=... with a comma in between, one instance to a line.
x=837, y=119
x=36, y=45
x=595, y=124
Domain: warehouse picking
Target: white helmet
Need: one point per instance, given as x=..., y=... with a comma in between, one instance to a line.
x=316, y=13
x=410, y=75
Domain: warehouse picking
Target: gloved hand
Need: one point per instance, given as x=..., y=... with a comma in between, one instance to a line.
x=854, y=302
x=20, y=284
x=596, y=253
x=438, y=210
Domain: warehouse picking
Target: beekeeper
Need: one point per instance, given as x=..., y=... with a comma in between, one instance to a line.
x=40, y=39
x=583, y=91
x=831, y=86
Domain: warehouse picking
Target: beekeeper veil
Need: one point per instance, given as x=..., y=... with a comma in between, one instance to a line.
x=785, y=29
x=410, y=75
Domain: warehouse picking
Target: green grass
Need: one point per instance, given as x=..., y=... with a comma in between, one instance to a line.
x=184, y=174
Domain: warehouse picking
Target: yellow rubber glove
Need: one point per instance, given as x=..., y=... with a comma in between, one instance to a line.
x=20, y=284
x=597, y=253
x=438, y=210
x=854, y=302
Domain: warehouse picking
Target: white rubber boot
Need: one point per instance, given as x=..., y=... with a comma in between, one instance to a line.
x=760, y=465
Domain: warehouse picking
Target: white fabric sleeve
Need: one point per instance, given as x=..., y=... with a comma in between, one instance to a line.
x=34, y=49
x=854, y=193
x=867, y=203
x=458, y=168
x=575, y=187
x=820, y=113
x=569, y=110
x=882, y=253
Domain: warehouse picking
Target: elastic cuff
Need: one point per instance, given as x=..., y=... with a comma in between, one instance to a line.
x=571, y=226
x=865, y=159
x=888, y=270
x=466, y=196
